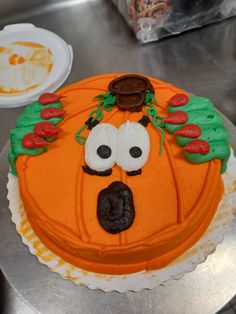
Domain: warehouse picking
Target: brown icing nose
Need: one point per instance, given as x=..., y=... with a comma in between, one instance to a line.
x=115, y=207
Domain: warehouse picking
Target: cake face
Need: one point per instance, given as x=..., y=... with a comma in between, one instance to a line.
x=117, y=195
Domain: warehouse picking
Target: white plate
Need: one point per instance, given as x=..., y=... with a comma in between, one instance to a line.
x=62, y=57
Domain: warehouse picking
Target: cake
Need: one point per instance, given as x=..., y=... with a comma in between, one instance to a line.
x=119, y=173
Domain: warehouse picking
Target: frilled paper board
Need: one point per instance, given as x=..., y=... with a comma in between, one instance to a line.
x=142, y=280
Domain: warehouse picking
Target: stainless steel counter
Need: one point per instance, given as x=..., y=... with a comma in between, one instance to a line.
x=201, y=61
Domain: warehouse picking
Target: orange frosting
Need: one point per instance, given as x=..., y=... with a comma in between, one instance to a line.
x=174, y=200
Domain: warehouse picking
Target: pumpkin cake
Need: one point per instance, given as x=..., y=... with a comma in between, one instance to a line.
x=119, y=173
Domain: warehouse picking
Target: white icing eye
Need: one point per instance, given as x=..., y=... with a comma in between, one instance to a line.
x=133, y=146
x=101, y=147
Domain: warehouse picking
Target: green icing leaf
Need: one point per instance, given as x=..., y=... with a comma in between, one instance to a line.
x=37, y=107
x=16, y=136
x=12, y=162
x=210, y=133
x=18, y=150
x=199, y=117
x=25, y=125
x=30, y=119
x=195, y=103
x=218, y=150
x=201, y=112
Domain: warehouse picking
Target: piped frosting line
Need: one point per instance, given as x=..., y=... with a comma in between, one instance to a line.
x=79, y=203
x=176, y=177
x=123, y=179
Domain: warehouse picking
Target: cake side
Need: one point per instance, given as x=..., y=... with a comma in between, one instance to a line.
x=174, y=200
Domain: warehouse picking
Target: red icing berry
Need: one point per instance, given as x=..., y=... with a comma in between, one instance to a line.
x=177, y=117
x=46, y=129
x=49, y=113
x=48, y=98
x=178, y=100
x=197, y=147
x=189, y=130
x=32, y=140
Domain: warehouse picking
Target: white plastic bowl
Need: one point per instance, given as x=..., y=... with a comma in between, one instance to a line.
x=62, y=57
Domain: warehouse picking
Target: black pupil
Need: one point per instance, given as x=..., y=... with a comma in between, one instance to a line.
x=104, y=151
x=135, y=151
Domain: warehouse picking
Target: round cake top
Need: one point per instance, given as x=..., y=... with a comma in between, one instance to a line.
x=110, y=190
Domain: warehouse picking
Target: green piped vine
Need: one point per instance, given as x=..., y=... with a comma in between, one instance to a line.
x=152, y=112
x=108, y=102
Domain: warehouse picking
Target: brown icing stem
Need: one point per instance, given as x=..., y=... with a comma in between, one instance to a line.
x=132, y=102
x=129, y=84
x=130, y=91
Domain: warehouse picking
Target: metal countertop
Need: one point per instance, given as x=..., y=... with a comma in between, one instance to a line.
x=202, y=62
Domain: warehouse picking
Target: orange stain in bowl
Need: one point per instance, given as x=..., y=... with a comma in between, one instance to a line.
x=34, y=64
x=16, y=59
x=50, y=67
x=28, y=44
